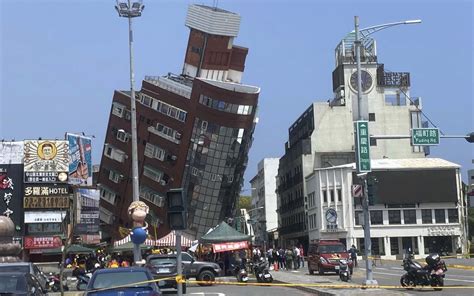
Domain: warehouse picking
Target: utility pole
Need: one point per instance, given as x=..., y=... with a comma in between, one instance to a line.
x=363, y=173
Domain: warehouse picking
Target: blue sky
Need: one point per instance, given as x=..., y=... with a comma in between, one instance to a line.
x=62, y=60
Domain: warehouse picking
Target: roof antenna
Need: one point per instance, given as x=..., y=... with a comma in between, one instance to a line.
x=215, y=4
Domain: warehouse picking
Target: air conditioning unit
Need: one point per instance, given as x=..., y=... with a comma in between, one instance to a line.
x=174, y=157
x=162, y=182
x=178, y=136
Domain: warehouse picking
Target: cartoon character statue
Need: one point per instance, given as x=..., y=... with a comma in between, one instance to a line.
x=137, y=212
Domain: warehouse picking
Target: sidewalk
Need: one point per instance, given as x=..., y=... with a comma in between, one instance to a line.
x=302, y=277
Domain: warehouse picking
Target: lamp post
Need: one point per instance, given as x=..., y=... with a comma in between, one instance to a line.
x=130, y=10
x=365, y=204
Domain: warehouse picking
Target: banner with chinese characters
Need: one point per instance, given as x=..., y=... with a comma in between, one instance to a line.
x=11, y=194
x=45, y=216
x=46, y=242
x=46, y=161
x=223, y=247
x=11, y=152
x=80, y=160
x=46, y=196
x=87, y=211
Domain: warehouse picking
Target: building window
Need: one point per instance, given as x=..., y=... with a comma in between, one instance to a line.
x=114, y=176
x=152, y=173
x=358, y=217
x=332, y=195
x=114, y=153
x=44, y=228
x=118, y=109
x=107, y=195
x=325, y=196
x=123, y=136
x=225, y=106
x=153, y=151
x=453, y=216
x=146, y=100
x=152, y=196
x=373, y=141
x=440, y=216
x=168, y=133
x=106, y=215
x=426, y=216
x=376, y=217
x=394, y=217
x=339, y=194
x=371, y=116
x=409, y=216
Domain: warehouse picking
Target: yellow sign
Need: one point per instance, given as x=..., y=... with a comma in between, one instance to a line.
x=51, y=202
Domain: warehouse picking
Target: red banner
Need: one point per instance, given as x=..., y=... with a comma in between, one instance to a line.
x=230, y=246
x=48, y=242
x=90, y=238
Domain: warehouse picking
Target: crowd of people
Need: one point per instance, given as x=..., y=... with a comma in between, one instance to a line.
x=291, y=258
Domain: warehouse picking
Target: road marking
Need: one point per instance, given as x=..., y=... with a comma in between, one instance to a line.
x=208, y=293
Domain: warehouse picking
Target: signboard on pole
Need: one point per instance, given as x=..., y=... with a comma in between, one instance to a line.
x=46, y=161
x=80, y=160
x=362, y=146
x=357, y=190
x=424, y=136
x=87, y=211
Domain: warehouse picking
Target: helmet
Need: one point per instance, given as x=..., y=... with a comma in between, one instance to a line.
x=432, y=259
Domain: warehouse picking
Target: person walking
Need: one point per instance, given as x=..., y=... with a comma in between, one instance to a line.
x=296, y=257
x=281, y=258
x=353, y=251
x=289, y=258
x=302, y=255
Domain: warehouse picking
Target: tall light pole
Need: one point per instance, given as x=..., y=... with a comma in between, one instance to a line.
x=131, y=10
x=369, y=280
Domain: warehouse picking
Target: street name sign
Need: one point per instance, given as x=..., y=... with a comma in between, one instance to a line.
x=362, y=146
x=424, y=136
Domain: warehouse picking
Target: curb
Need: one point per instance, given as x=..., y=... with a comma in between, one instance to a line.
x=460, y=266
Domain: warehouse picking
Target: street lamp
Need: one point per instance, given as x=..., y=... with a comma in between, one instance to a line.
x=365, y=205
x=130, y=10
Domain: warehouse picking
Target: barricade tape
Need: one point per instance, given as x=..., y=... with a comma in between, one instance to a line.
x=326, y=286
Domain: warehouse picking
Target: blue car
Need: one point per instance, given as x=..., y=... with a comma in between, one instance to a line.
x=126, y=281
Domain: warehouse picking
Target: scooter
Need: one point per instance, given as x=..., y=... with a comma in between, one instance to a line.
x=83, y=279
x=344, y=273
x=240, y=273
x=431, y=274
x=261, y=272
x=54, y=284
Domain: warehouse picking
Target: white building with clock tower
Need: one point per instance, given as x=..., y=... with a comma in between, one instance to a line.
x=323, y=135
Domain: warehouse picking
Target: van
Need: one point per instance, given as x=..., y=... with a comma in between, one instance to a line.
x=324, y=256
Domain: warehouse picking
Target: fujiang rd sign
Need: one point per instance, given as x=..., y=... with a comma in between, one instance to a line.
x=424, y=136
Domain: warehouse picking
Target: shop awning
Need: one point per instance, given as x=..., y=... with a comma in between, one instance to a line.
x=170, y=240
x=224, y=233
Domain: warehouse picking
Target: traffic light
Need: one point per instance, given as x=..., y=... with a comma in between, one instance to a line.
x=470, y=137
x=371, y=190
x=177, y=212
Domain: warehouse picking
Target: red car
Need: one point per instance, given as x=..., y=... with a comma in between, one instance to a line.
x=324, y=256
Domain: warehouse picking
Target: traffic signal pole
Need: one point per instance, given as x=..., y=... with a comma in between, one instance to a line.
x=363, y=174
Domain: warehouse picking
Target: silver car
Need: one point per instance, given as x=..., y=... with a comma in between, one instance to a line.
x=26, y=267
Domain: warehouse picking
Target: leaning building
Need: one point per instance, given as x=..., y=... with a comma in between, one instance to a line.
x=194, y=131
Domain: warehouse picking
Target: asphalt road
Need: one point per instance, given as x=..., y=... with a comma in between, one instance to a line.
x=389, y=274
x=230, y=290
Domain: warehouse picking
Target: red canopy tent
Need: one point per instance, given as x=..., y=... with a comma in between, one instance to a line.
x=169, y=240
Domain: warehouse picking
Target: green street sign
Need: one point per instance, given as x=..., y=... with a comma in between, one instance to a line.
x=424, y=136
x=362, y=147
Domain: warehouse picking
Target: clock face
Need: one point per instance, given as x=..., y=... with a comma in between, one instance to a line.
x=331, y=216
x=366, y=80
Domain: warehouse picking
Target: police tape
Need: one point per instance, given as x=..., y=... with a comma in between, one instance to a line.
x=326, y=286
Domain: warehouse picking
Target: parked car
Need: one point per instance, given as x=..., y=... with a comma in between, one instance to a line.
x=26, y=267
x=19, y=283
x=164, y=266
x=324, y=256
x=201, y=270
x=124, y=281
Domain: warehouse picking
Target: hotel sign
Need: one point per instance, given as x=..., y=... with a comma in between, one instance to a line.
x=40, y=202
x=46, y=190
x=48, y=242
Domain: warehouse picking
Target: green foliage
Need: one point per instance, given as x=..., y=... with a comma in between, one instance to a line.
x=244, y=202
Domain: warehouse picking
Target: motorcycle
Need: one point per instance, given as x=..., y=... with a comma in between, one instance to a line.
x=262, y=273
x=54, y=283
x=83, y=280
x=344, y=273
x=432, y=274
x=240, y=273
